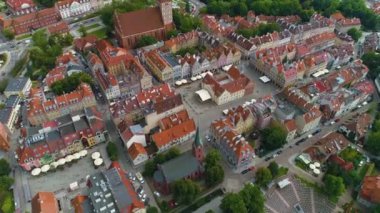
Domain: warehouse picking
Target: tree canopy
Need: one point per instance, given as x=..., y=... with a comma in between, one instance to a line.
x=274, y=168
x=71, y=83
x=112, y=151
x=214, y=173
x=5, y=168
x=46, y=3
x=263, y=176
x=334, y=186
x=355, y=34
x=8, y=34
x=273, y=137
x=372, y=61
x=185, y=191
x=152, y=209
x=151, y=165
x=146, y=41
x=372, y=144
x=233, y=203
x=262, y=29
x=253, y=198
x=185, y=22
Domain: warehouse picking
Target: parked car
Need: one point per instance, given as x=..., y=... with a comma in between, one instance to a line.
x=245, y=171
x=157, y=193
x=140, y=177
x=279, y=152
x=268, y=158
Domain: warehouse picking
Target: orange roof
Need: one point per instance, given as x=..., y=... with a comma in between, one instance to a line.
x=44, y=202
x=60, y=27
x=337, y=16
x=370, y=189
x=290, y=125
x=157, y=59
x=77, y=201
x=167, y=136
x=135, y=150
x=175, y=119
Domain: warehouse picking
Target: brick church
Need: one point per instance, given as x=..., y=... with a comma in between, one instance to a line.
x=153, y=21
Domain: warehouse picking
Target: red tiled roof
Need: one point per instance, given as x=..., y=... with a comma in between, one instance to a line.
x=60, y=27
x=44, y=202
x=167, y=136
x=290, y=125
x=370, y=189
x=77, y=201
x=82, y=43
x=139, y=21
x=135, y=150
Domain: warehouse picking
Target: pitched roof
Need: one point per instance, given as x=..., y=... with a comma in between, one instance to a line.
x=177, y=168
x=139, y=21
x=169, y=135
x=135, y=150
x=44, y=202
x=60, y=27
x=370, y=189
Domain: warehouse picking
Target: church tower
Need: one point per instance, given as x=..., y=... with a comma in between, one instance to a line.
x=198, y=147
x=166, y=11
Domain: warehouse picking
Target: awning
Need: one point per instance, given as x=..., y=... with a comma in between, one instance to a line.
x=317, y=171
x=203, y=95
x=77, y=155
x=178, y=83
x=184, y=81
x=311, y=166
x=317, y=164
x=61, y=161
x=193, y=78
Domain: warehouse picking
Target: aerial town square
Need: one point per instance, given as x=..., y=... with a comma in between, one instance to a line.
x=181, y=106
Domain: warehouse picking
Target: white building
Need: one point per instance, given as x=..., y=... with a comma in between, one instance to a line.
x=72, y=8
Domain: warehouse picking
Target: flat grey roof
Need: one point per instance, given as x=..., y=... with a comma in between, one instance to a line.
x=16, y=84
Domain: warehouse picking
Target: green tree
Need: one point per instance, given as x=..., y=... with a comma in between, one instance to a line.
x=355, y=34
x=172, y=153
x=152, y=209
x=7, y=204
x=372, y=61
x=149, y=168
x=210, y=211
x=263, y=176
x=172, y=33
x=187, y=6
x=185, y=22
x=372, y=144
x=212, y=158
x=214, y=175
x=5, y=183
x=82, y=30
x=273, y=137
x=253, y=198
x=112, y=151
x=5, y=168
x=3, y=84
x=376, y=209
x=334, y=186
x=185, y=191
x=8, y=34
x=274, y=168
x=233, y=203
x=146, y=41
x=71, y=83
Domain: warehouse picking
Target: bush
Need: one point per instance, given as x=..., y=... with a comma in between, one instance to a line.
x=112, y=151
x=3, y=85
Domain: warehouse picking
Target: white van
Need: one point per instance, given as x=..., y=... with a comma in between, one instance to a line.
x=140, y=177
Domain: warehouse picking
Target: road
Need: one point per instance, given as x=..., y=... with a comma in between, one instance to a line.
x=198, y=5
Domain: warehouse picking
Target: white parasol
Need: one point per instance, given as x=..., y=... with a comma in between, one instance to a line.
x=77, y=155
x=36, y=171
x=95, y=155
x=45, y=168
x=61, y=161
x=98, y=161
x=83, y=153
x=311, y=166
x=317, y=171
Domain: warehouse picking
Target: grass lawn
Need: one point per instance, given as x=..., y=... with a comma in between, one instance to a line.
x=92, y=26
x=21, y=37
x=101, y=33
